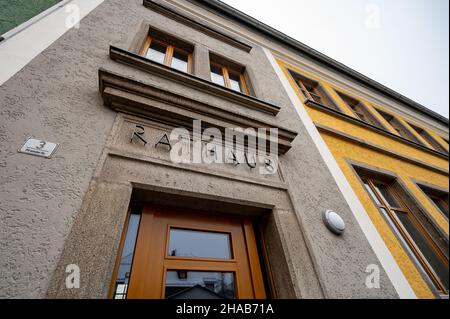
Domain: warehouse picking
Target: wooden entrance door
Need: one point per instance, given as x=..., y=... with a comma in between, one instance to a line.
x=183, y=254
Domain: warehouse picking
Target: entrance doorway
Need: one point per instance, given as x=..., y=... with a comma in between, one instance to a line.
x=184, y=254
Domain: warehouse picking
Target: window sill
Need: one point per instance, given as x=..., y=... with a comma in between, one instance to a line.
x=155, y=68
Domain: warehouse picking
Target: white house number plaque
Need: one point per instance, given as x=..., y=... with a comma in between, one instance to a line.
x=39, y=148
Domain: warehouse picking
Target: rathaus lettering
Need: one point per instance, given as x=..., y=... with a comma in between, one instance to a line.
x=239, y=147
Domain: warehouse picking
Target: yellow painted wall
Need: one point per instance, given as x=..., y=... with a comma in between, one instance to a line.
x=344, y=149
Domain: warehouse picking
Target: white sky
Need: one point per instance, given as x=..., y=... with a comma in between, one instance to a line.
x=403, y=44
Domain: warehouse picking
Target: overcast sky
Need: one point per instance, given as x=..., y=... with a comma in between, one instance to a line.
x=402, y=44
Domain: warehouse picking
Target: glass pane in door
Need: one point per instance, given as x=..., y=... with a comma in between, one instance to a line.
x=124, y=272
x=199, y=244
x=181, y=284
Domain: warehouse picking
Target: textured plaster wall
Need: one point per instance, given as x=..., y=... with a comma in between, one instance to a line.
x=56, y=98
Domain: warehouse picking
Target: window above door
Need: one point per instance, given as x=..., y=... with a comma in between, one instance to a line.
x=228, y=74
x=169, y=51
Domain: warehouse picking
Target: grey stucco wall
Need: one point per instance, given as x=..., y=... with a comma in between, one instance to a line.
x=56, y=98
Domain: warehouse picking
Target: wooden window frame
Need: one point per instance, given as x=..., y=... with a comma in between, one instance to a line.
x=428, y=138
x=323, y=94
x=364, y=114
x=409, y=135
x=435, y=198
x=435, y=194
x=404, y=233
x=170, y=49
x=305, y=91
x=226, y=71
x=200, y=229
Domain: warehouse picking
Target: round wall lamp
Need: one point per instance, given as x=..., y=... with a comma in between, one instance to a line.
x=334, y=222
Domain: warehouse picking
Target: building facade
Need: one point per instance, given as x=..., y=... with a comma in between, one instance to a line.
x=396, y=162
x=112, y=208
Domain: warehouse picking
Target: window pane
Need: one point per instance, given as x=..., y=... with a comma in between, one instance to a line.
x=199, y=244
x=217, y=75
x=387, y=196
x=316, y=97
x=427, y=250
x=445, y=140
x=183, y=284
x=180, y=61
x=123, y=275
x=309, y=87
x=427, y=137
x=156, y=52
x=441, y=204
x=372, y=194
x=403, y=131
x=398, y=126
x=320, y=96
x=360, y=113
x=235, y=82
x=305, y=93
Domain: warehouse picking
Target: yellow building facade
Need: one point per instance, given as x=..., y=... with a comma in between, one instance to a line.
x=371, y=140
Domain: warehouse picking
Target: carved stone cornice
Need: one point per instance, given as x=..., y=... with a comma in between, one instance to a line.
x=137, y=61
x=130, y=96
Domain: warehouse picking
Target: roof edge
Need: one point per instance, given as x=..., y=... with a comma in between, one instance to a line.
x=320, y=57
